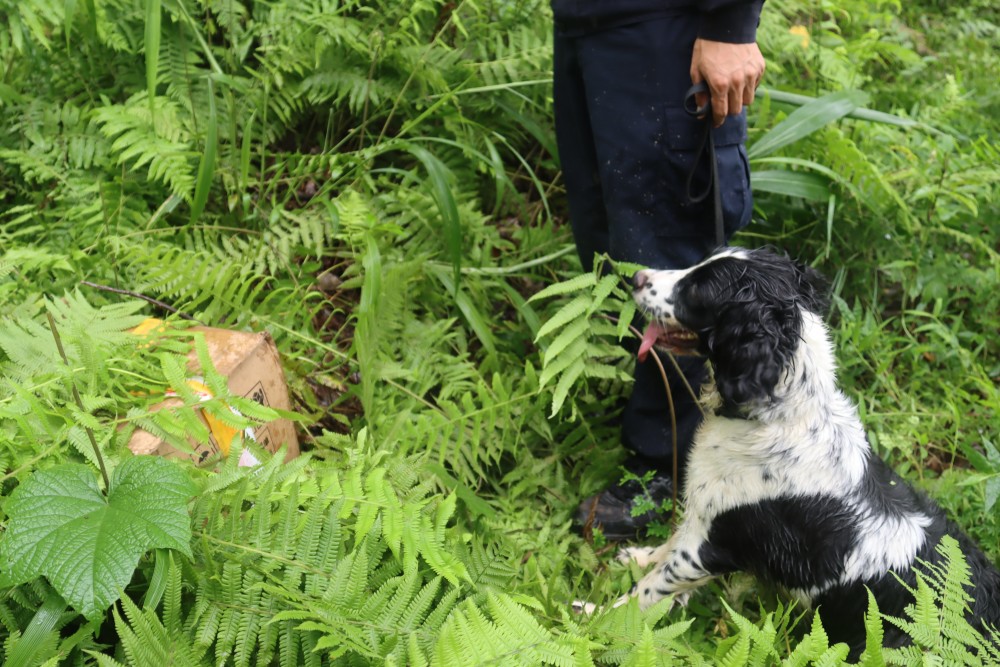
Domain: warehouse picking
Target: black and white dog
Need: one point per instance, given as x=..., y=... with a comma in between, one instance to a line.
x=781, y=481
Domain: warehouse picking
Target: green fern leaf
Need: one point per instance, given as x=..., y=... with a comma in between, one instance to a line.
x=568, y=313
x=431, y=543
x=626, y=317
x=566, y=337
x=571, y=286
x=605, y=286
x=872, y=655
x=833, y=656
x=564, y=385
x=573, y=355
x=146, y=641
x=736, y=653
x=644, y=654
x=163, y=144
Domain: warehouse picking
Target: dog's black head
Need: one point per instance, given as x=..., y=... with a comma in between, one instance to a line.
x=740, y=308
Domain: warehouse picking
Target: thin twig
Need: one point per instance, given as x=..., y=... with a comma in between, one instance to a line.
x=149, y=299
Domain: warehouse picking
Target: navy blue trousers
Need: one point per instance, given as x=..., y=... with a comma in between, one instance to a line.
x=627, y=148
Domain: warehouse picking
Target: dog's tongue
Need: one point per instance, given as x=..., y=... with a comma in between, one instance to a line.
x=649, y=337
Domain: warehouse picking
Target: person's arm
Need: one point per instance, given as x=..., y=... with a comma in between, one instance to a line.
x=726, y=56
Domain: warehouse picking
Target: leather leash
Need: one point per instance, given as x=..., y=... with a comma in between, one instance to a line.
x=707, y=143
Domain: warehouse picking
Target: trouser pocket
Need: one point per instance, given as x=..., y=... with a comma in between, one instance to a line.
x=686, y=161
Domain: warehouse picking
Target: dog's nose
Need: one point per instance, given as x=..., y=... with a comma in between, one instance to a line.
x=639, y=280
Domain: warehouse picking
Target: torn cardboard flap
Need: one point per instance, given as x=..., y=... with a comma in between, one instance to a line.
x=252, y=368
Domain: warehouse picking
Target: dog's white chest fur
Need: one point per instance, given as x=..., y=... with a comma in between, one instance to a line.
x=803, y=443
x=807, y=444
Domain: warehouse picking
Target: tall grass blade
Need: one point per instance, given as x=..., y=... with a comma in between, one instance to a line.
x=441, y=191
x=152, y=46
x=869, y=115
x=206, y=168
x=43, y=623
x=478, y=322
x=366, y=336
x=245, y=148
x=807, y=119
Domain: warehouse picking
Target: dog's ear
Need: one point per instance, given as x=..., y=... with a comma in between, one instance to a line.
x=813, y=289
x=749, y=346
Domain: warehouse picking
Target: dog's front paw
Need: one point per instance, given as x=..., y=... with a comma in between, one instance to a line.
x=641, y=556
x=589, y=608
x=623, y=600
x=585, y=608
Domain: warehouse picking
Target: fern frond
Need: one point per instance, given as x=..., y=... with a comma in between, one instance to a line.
x=490, y=568
x=937, y=620
x=146, y=641
x=163, y=143
x=582, y=347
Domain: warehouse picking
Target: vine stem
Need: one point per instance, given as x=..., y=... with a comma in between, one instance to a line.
x=79, y=402
x=673, y=411
x=673, y=423
x=137, y=295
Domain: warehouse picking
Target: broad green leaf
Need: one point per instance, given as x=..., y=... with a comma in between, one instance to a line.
x=500, y=178
x=158, y=582
x=808, y=165
x=526, y=311
x=978, y=461
x=245, y=147
x=475, y=504
x=87, y=544
x=992, y=452
x=366, y=338
x=859, y=114
x=807, y=119
x=477, y=321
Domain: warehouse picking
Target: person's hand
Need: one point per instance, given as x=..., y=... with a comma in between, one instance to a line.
x=732, y=72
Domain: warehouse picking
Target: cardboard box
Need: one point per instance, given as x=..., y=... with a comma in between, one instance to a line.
x=251, y=364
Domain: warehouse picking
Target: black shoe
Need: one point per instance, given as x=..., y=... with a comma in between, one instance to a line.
x=611, y=510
